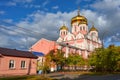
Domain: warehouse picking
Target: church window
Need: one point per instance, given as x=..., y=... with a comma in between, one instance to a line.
x=93, y=34
x=60, y=33
x=80, y=28
x=66, y=32
x=83, y=28
x=75, y=28
x=63, y=32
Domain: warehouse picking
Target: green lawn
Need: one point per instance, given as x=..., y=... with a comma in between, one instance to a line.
x=29, y=77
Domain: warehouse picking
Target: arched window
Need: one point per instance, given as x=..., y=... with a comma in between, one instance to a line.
x=80, y=28
x=93, y=34
x=64, y=32
x=60, y=33
x=75, y=28
x=83, y=28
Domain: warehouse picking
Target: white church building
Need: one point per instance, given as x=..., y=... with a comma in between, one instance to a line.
x=79, y=39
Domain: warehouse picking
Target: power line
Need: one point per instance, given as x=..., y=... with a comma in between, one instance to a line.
x=28, y=30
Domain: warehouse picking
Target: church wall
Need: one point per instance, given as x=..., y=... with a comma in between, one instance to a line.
x=44, y=46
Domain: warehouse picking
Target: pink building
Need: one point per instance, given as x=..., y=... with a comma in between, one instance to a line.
x=16, y=62
x=79, y=39
x=44, y=46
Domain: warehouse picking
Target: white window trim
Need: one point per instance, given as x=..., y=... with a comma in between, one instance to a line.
x=13, y=66
x=22, y=66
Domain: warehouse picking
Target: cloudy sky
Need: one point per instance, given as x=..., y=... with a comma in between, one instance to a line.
x=24, y=22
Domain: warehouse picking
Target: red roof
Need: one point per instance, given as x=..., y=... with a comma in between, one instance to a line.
x=16, y=53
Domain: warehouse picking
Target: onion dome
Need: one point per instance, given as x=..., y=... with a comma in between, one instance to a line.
x=93, y=29
x=80, y=19
x=64, y=28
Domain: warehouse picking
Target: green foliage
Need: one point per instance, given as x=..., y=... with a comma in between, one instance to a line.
x=46, y=69
x=59, y=57
x=74, y=59
x=56, y=56
x=105, y=59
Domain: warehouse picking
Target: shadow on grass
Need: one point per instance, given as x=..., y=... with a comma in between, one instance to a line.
x=89, y=76
x=28, y=77
x=67, y=76
x=17, y=78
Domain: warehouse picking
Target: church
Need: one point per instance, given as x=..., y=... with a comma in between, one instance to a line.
x=79, y=40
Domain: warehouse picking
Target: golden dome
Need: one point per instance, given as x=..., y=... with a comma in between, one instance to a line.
x=63, y=28
x=93, y=29
x=80, y=19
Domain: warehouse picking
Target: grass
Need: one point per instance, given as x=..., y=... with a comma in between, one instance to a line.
x=28, y=77
x=43, y=77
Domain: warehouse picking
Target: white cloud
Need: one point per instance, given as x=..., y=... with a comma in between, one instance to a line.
x=11, y=4
x=22, y=1
x=8, y=20
x=41, y=24
x=4, y=39
x=46, y=25
x=2, y=12
x=31, y=6
x=78, y=1
x=107, y=4
x=110, y=21
x=96, y=18
x=116, y=37
x=101, y=21
x=15, y=2
x=55, y=7
x=45, y=3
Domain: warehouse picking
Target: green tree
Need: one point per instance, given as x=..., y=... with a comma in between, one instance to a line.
x=105, y=59
x=74, y=60
x=57, y=57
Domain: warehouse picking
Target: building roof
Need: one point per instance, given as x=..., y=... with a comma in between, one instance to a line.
x=64, y=28
x=38, y=53
x=16, y=53
x=79, y=18
x=93, y=29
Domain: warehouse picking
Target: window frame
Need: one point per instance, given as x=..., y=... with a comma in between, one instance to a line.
x=12, y=64
x=23, y=64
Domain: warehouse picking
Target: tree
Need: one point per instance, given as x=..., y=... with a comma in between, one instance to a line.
x=74, y=60
x=105, y=59
x=56, y=57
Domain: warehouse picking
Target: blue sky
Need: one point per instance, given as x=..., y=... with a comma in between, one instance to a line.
x=23, y=22
x=17, y=9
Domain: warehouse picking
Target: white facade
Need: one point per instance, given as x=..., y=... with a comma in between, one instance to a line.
x=79, y=38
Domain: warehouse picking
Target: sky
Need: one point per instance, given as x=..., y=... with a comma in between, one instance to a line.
x=24, y=22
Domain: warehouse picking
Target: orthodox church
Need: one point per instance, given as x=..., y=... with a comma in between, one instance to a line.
x=79, y=39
